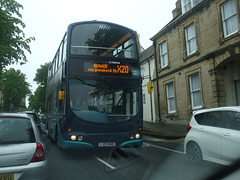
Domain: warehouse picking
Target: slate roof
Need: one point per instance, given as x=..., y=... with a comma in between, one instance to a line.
x=148, y=53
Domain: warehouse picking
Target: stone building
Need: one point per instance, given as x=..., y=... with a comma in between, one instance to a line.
x=197, y=59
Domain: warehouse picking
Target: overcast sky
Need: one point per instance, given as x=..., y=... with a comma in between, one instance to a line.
x=47, y=21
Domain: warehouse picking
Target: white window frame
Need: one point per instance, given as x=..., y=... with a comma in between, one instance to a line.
x=163, y=54
x=170, y=98
x=189, y=4
x=195, y=91
x=229, y=18
x=190, y=35
x=186, y=5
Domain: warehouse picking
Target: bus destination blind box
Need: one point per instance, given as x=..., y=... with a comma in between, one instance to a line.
x=106, y=68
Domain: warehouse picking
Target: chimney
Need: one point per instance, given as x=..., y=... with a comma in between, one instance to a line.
x=178, y=10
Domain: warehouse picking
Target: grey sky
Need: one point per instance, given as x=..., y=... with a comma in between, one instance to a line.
x=47, y=21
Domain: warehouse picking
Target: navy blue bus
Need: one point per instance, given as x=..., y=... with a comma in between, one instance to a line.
x=94, y=95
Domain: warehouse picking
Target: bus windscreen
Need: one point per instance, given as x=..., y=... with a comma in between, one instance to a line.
x=104, y=101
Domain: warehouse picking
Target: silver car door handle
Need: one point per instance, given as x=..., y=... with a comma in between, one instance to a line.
x=201, y=129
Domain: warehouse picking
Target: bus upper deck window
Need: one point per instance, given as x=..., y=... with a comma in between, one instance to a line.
x=96, y=40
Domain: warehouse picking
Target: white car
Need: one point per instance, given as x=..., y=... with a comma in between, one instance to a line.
x=214, y=135
x=22, y=152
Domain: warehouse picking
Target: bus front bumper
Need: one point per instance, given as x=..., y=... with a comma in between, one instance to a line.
x=75, y=145
x=132, y=143
x=85, y=145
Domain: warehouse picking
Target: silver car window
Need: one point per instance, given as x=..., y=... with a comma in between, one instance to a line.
x=16, y=130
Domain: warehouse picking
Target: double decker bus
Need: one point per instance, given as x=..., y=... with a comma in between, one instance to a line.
x=94, y=95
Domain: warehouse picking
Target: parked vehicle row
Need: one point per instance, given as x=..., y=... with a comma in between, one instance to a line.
x=213, y=136
x=33, y=115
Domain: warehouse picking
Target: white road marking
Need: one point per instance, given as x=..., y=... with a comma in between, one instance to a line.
x=144, y=145
x=105, y=163
x=160, y=147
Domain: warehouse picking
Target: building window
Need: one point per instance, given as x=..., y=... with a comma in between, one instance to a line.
x=190, y=39
x=163, y=54
x=144, y=98
x=229, y=18
x=237, y=91
x=195, y=91
x=189, y=4
x=170, y=98
x=186, y=5
x=142, y=72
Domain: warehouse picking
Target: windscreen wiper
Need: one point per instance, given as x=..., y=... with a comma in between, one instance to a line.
x=76, y=77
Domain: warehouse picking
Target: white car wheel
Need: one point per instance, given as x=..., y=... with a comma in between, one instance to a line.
x=194, y=153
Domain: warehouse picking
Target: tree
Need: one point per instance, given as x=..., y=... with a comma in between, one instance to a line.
x=12, y=38
x=41, y=74
x=15, y=88
x=37, y=101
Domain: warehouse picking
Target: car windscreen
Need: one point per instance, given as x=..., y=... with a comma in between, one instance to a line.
x=16, y=130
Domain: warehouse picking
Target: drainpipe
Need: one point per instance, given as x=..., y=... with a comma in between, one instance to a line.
x=150, y=80
x=156, y=68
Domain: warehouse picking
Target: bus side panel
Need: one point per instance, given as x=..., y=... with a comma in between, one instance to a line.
x=52, y=123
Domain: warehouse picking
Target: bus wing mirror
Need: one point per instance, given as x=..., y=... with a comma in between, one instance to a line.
x=61, y=95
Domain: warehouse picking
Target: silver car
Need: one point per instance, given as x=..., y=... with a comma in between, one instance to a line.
x=23, y=154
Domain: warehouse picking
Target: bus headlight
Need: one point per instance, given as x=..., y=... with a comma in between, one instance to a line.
x=73, y=137
x=80, y=138
x=137, y=136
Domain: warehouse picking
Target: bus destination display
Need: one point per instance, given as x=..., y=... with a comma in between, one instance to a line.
x=102, y=67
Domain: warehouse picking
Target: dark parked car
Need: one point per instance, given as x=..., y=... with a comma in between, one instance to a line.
x=33, y=115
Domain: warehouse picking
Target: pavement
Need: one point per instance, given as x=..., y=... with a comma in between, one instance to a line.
x=164, y=130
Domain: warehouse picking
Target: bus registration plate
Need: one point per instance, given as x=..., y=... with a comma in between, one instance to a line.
x=106, y=144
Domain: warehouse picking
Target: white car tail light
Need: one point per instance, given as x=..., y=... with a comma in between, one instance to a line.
x=39, y=154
